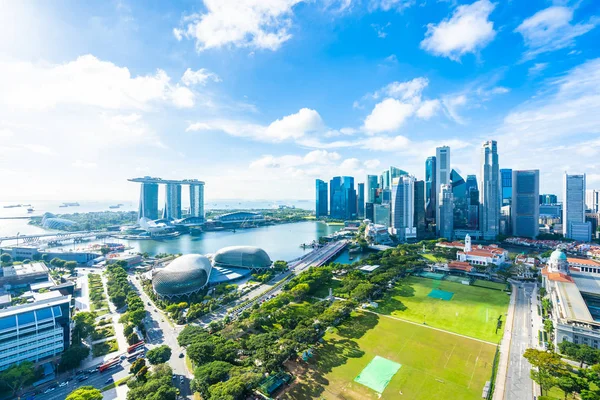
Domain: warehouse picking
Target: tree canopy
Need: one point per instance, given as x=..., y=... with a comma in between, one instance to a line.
x=159, y=355
x=85, y=393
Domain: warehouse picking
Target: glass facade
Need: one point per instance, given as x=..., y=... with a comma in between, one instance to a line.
x=420, y=208
x=360, y=201
x=402, y=207
x=197, y=201
x=507, y=188
x=342, y=198
x=525, y=212
x=490, y=196
x=148, y=201
x=372, y=186
x=321, y=198
x=574, y=224
x=172, y=208
x=461, y=204
x=430, y=199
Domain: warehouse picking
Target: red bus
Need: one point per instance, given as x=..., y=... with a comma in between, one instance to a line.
x=108, y=364
x=135, y=355
x=134, y=347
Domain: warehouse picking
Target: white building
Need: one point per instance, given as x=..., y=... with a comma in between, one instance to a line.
x=403, y=208
x=378, y=234
x=592, y=200
x=482, y=255
x=442, y=177
x=445, y=221
x=490, y=196
x=574, y=223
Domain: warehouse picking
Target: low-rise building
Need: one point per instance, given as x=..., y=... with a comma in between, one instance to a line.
x=24, y=274
x=477, y=254
x=378, y=234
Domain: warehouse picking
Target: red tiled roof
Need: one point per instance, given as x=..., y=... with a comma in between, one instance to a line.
x=557, y=276
x=460, y=265
x=583, y=261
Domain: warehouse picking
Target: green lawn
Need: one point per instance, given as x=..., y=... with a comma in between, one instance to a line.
x=488, y=284
x=103, y=348
x=433, y=258
x=323, y=290
x=473, y=311
x=435, y=365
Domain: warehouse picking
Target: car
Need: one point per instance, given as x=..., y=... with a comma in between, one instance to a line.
x=148, y=303
x=82, y=378
x=123, y=357
x=181, y=355
x=174, y=376
x=155, y=310
x=50, y=389
x=181, y=379
x=63, y=384
x=79, y=372
x=109, y=380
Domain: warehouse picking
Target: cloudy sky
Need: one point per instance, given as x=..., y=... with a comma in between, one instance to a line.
x=260, y=97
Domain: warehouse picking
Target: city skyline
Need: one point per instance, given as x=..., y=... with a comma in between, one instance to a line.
x=365, y=86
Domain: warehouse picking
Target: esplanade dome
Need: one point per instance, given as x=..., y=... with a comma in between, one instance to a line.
x=242, y=257
x=185, y=275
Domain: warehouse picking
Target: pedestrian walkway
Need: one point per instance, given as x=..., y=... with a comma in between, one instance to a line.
x=500, y=385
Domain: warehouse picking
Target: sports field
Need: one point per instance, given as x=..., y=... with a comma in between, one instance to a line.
x=434, y=364
x=472, y=311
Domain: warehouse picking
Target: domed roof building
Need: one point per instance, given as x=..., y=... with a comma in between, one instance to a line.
x=185, y=275
x=558, y=262
x=249, y=257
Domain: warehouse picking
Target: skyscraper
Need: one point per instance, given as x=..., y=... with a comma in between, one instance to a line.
x=148, y=201
x=574, y=224
x=459, y=197
x=473, y=201
x=525, y=207
x=506, y=177
x=445, y=212
x=385, y=180
x=372, y=186
x=360, y=200
x=420, y=208
x=489, y=191
x=381, y=214
x=321, y=198
x=172, y=208
x=548, y=199
x=592, y=200
x=396, y=173
x=197, y=200
x=430, y=199
x=442, y=176
x=403, y=218
x=342, y=198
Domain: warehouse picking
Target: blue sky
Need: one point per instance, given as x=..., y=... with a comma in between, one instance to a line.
x=260, y=97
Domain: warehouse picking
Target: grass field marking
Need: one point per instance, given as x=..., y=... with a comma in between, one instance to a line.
x=450, y=356
x=429, y=327
x=474, y=367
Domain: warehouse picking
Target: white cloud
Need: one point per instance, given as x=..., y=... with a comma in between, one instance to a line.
x=452, y=104
x=351, y=164
x=428, y=109
x=380, y=30
x=294, y=126
x=84, y=164
x=86, y=81
x=240, y=23
x=6, y=133
x=199, y=77
x=387, y=5
x=40, y=149
x=320, y=157
x=551, y=29
x=384, y=143
x=387, y=116
x=409, y=90
x=466, y=31
x=372, y=164
x=537, y=69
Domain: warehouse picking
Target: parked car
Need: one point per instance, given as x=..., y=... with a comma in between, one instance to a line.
x=181, y=355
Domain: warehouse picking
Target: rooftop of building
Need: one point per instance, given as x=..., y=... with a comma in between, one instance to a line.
x=21, y=270
x=460, y=265
x=35, y=305
x=583, y=261
x=369, y=268
x=587, y=283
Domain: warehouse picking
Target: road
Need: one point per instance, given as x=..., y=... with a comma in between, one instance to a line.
x=519, y=385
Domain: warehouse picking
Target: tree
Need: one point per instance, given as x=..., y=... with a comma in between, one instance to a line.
x=548, y=327
x=104, y=250
x=71, y=265
x=362, y=291
x=190, y=333
x=17, y=376
x=586, y=354
x=85, y=393
x=128, y=330
x=137, y=365
x=5, y=258
x=133, y=338
x=543, y=292
x=159, y=355
x=209, y=374
x=136, y=317
x=548, y=366
x=566, y=384
x=73, y=357
x=85, y=323
x=299, y=291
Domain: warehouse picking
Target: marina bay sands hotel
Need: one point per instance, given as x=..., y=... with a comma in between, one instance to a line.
x=172, y=210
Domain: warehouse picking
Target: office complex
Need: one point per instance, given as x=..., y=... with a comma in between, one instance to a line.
x=445, y=222
x=489, y=191
x=402, y=208
x=419, y=197
x=321, y=198
x=574, y=225
x=34, y=332
x=384, y=180
x=506, y=176
x=372, y=186
x=473, y=201
x=442, y=176
x=460, y=199
x=430, y=191
x=148, y=207
x=370, y=211
x=381, y=214
x=342, y=198
x=360, y=200
x=548, y=199
x=592, y=200
x=525, y=207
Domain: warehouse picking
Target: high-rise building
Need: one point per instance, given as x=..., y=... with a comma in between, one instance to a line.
x=360, y=200
x=525, y=207
x=445, y=212
x=420, y=209
x=342, y=198
x=172, y=208
x=148, y=201
x=385, y=181
x=574, y=224
x=430, y=199
x=506, y=177
x=403, y=207
x=370, y=211
x=35, y=332
x=460, y=199
x=386, y=196
x=592, y=200
x=473, y=201
x=396, y=173
x=321, y=198
x=442, y=176
x=372, y=186
x=381, y=214
x=490, y=197
x=197, y=200
x=548, y=199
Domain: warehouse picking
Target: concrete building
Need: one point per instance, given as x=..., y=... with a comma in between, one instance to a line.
x=360, y=201
x=592, y=200
x=442, y=177
x=445, y=221
x=197, y=200
x=172, y=208
x=506, y=179
x=525, y=208
x=321, y=191
x=482, y=255
x=148, y=201
x=24, y=274
x=489, y=191
x=403, y=208
x=377, y=234
x=430, y=189
x=420, y=209
x=381, y=214
x=574, y=225
x=34, y=332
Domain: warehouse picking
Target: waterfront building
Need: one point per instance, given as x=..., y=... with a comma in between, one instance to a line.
x=197, y=200
x=377, y=234
x=403, y=208
x=574, y=225
x=148, y=201
x=372, y=186
x=321, y=198
x=36, y=332
x=489, y=191
x=240, y=217
x=430, y=192
x=442, y=177
x=342, y=198
x=506, y=177
x=172, y=208
x=473, y=202
x=592, y=200
x=525, y=205
x=360, y=200
x=420, y=209
x=381, y=214
x=548, y=199
x=445, y=221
